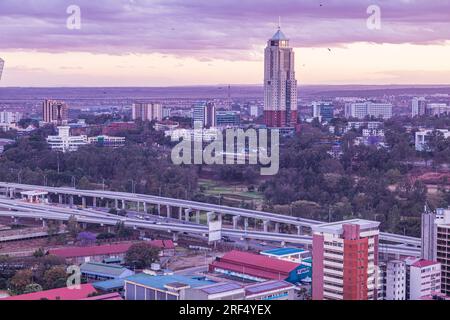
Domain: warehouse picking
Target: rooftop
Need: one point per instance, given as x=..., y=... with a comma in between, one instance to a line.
x=73, y=252
x=103, y=269
x=159, y=282
x=337, y=227
x=282, y=251
x=267, y=286
x=220, y=287
x=57, y=294
x=279, y=35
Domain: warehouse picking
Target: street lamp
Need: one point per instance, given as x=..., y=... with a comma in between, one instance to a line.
x=73, y=182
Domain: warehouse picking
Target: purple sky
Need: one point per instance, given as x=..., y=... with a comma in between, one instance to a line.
x=214, y=29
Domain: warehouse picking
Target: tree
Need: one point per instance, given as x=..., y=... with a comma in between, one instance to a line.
x=38, y=253
x=20, y=281
x=72, y=226
x=55, y=277
x=33, y=287
x=141, y=255
x=121, y=230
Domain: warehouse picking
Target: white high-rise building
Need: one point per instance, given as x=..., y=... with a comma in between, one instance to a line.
x=280, y=85
x=436, y=241
x=147, y=111
x=418, y=106
x=396, y=280
x=362, y=109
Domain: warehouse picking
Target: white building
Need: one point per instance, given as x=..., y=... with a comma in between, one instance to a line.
x=395, y=280
x=362, y=109
x=418, y=106
x=423, y=278
x=10, y=117
x=437, y=109
x=107, y=141
x=421, y=139
x=64, y=142
x=436, y=242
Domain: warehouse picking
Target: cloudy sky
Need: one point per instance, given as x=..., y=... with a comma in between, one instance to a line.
x=191, y=42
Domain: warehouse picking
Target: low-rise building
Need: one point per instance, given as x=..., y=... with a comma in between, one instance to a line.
x=255, y=267
x=270, y=290
x=423, y=136
x=146, y=287
x=79, y=255
x=93, y=271
x=65, y=293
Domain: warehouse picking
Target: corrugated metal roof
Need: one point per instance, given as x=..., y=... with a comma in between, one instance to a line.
x=104, y=269
x=258, y=261
x=73, y=252
x=57, y=294
x=159, y=282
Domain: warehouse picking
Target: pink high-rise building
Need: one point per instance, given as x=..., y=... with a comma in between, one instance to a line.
x=345, y=260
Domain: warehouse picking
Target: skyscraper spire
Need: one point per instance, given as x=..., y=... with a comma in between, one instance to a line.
x=279, y=22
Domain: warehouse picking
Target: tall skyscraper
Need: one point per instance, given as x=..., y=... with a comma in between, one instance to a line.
x=147, y=111
x=280, y=85
x=56, y=112
x=345, y=260
x=2, y=64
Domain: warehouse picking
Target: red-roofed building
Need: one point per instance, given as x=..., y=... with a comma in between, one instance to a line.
x=424, y=278
x=79, y=255
x=167, y=247
x=58, y=294
x=255, y=267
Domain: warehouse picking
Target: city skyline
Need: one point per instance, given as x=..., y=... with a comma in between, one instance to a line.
x=172, y=44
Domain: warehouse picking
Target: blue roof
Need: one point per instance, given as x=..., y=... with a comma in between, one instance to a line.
x=279, y=35
x=109, y=284
x=283, y=251
x=159, y=282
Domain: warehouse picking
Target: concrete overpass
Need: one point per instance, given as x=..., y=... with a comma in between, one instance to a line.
x=45, y=212
x=186, y=208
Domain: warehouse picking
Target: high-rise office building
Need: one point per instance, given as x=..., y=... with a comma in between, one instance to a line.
x=418, y=106
x=228, y=119
x=2, y=64
x=361, y=110
x=56, y=112
x=280, y=85
x=345, y=260
x=147, y=111
x=436, y=242
x=204, y=114
x=323, y=110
